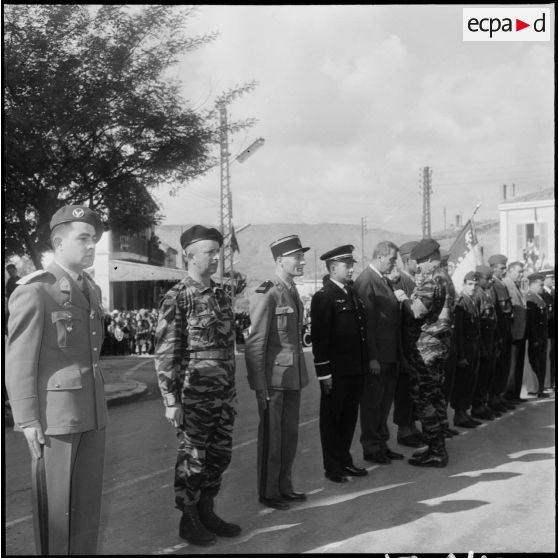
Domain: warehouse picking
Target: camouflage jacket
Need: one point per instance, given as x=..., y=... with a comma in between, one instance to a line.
x=195, y=327
x=433, y=302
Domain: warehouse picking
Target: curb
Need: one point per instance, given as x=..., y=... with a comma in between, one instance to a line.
x=134, y=391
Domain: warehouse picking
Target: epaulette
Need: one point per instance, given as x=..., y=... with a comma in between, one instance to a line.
x=264, y=287
x=31, y=276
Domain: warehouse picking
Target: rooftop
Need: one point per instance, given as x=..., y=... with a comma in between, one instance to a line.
x=539, y=195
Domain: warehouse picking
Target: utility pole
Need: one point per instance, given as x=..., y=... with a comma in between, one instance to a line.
x=425, y=188
x=362, y=231
x=226, y=200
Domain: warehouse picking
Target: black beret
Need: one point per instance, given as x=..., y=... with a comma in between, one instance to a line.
x=72, y=213
x=405, y=249
x=496, y=259
x=471, y=276
x=535, y=277
x=340, y=254
x=286, y=246
x=424, y=249
x=199, y=232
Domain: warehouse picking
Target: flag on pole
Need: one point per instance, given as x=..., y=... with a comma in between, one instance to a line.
x=464, y=255
x=234, y=242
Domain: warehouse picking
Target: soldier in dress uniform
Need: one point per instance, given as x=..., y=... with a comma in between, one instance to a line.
x=504, y=319
x=432, y=303
x=467, y=337
x=537, y=329
x=340, y=358
x=277, y=372
x=487, y=311
x=195, y=364
x=549, y=296
x=55, y=385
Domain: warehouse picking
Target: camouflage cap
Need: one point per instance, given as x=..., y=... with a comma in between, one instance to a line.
x=82, y=213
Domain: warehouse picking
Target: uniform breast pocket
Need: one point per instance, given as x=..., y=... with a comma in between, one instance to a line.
x=282, y=314
x=67, y=324
x=200, y=329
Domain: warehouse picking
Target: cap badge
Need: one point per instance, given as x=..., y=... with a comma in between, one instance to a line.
x=78, y=212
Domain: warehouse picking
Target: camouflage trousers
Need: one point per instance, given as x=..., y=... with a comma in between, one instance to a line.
x=205, y=438
x=426, y=383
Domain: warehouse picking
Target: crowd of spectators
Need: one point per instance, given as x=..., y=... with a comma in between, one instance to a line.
x=132, y=332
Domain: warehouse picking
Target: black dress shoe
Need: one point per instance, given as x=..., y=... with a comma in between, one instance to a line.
x=276, y=503
x=293, y=496
x=394, y=455
x=477, y=422
x=465, y=423
x=452, y=431
x=429, y=460
x=542, y=395
x=483, y=413
x=352, y=471
x=411, y=441
x=336, y=477
x=377, y=457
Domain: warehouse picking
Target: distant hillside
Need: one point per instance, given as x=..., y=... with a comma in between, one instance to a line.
x=255, y=259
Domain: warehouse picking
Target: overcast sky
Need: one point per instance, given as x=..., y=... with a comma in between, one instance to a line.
x=353, y=101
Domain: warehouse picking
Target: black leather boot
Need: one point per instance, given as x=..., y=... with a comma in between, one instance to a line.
x=213, y=522
x=191, y=528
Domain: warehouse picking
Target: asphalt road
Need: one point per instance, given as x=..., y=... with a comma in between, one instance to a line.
x=496, y=495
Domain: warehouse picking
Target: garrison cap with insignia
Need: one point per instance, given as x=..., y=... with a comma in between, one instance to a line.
x=535, y=277
x=471, y=276
x=199, y=232
x=424, y=249
x=286, y=246
x=484, y=270
x=340, y=254
x=496, y=259
x=405, y=249
x=71, y=213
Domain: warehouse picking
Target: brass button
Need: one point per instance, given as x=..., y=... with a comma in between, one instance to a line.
x=94, y=348
x=94, y=333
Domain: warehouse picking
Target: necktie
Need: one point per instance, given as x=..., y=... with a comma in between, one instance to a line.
x=294, y=292
x=83, y=286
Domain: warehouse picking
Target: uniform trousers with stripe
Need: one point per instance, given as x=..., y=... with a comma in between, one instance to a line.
x=277, y=441
x=67, y=482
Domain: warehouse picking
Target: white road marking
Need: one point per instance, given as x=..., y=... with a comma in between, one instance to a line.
x=256, y=532
x=333, y=500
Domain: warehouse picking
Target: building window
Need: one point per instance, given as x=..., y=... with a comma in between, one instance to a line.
x=532, y=244
x=124, y=243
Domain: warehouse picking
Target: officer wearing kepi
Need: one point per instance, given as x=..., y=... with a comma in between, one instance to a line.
x=55, y=385
x=277, y=372
x=341, y=360
x=195, y=364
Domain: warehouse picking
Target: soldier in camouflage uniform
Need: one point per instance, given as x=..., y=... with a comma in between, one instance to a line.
x=195, y=364
x=432, y=304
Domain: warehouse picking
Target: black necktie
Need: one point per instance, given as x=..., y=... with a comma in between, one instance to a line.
x=83, y=286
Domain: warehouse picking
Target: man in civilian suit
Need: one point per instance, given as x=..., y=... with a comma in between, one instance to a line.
x=512, y=280
x=55, y=385
x=383, y=329
x=277, y=372
x=341, y=362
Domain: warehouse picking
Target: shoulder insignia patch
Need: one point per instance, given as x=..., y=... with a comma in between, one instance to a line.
x=264, y=287
x=31, y=276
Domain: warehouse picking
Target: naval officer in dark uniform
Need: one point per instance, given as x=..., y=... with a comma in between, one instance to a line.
x=341, y=361
x=55, y=385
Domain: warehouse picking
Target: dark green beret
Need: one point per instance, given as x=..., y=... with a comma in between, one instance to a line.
x=471, y=276
x=199, y=232
x=484, y=270
x=424, y=249
x=72, y=213
x=405, y=249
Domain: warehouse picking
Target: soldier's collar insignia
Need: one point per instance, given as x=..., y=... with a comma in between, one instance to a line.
x=64, y=285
